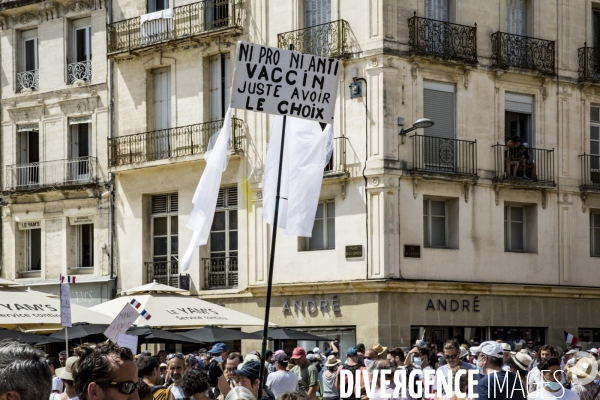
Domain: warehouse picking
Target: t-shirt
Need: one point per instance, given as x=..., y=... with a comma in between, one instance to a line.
x=563, y=394
x=280, y=382
x=307, y=376
x=444, y=369
x=177, y=392
x=501, y=385
x=57, y=384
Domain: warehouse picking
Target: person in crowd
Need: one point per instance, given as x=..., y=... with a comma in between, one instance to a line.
x=535, y=378
x=506, y=356
x=396, y=358
x=281, y=381
x=583, y=371
x=62, y=358
x=594, y=353
x=420, y=363
x=330, y=385
x=496, y=383
x=551, y=387
x=352, y=366
x=240, y=393
x=144, y=391
x=566, y=357
x=452, y=357
x=57, y=384
x=175, y=369
x=195, y=384
x=380, y=351
x=148, y=370
x=380, y=392
x=306, y=372
x=163, y=373
x=247, y=376
x=462, y=385
x=530, y=348
x=360, y=349
x=519, y=365
x=24, y=372
x=162, y=356
x=269, y=362
x=527, y=163
x=66, y=376
x=370, y=357
x=105, y=372
x=233, y=361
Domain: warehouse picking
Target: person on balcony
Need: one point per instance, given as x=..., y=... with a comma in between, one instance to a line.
x=526, y=163
x=511, y=149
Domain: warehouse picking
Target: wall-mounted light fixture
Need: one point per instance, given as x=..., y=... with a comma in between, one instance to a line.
x=418, y=124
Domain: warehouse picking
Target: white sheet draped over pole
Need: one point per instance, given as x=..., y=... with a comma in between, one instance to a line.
x=207, y=192
x=307, y=149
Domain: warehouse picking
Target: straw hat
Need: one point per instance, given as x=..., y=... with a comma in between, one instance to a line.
x=332, y=361
x=379, y=349
x=584, y=368
x=523, y=360
x=67, y=371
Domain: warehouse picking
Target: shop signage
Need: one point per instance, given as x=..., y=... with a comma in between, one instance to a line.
x=312, y=306
x=354, y=251
x=30, y=225
x=412, y=251
x=454, y=305
x=81, y=220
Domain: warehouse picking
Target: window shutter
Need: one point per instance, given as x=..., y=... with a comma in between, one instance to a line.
x=159, y=204
x=226, y=82
x=316, y=12
x=215, y=92
x=162, y=98
x=518, y=103
x=438, y=105
x=436, y=9
x=174, y=203
x=74, y=141
x=221, y=198
x=516, y=17
x=232, y=196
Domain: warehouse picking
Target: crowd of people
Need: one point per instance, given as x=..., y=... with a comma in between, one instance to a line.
x=106, y=371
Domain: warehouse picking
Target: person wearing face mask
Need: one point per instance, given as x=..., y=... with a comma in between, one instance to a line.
x=495, y=382
x=418, y=360
x=452, y=356
x=551, y=386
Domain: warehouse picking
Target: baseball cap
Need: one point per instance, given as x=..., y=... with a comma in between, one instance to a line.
x=489, y=348
x=298, y=353
x=146, y=353
x=163, y=365
x=250, y=368
x=351, y=352
x=594, y=350
x=311, y=357
x=281, y=357
x=317, y=350
x=218, y=348
x=67, y=371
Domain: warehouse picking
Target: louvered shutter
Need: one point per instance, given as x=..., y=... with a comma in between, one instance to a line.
x=226, y=82
x=162, y=98
x=516, y=17
x=221, y=198
x=436, y=9
x=159, y=204
x=439, y=106
x=232, y=197
x=174, y=202
x=316, y=12
x=518, y=103
x=215, y=88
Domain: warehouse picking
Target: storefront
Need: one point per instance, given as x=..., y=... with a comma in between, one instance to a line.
x=86, y=292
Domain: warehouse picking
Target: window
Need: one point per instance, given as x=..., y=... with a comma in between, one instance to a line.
x=438, y=141
x=30, y=51
x=216, y=13
x=157, y=5
x=220, y=77
x=162, y=111
x=79, y=151
x=85, y=245
x=516, y=17
x=435, y=223
x=224, y=230
x=28, y=156
x=596, y=28
x=595, y=233
x=595, y=131
x=323, y=233
x=165, y=243
x=436, y=9
x=518, y=111
x=514, y=228
x=316, y=12
x=80, y=67
x=33, y=250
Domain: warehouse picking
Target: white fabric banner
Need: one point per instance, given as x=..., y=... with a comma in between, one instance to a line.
x=307, y=149
x=65, y=305
x=207, y=192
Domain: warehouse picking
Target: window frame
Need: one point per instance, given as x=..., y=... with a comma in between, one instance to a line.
x=154, y=7
x=28, y=248
x=593, y=251
x=427, y=214
x=595, y=124
x=79, y=240
x=508, y=230
x=26, y=36
x=224, y=85
x=224, y=193
x=170, y=257
x=86, y=25
x=326, y=218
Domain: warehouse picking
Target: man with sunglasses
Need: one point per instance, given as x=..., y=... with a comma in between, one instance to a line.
x=105, y=372
x=452, y=356
x=175, y=368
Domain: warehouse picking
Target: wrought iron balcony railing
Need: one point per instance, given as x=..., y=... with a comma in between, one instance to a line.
x=512, y=167
x=165, y=272
x=168, y=143
x=517, y=51
x=79, y=71
x=28, y=80
x=444, y=156
x=325, y=40
x=589, y=64
x=221, y=272
x=186, y=21
x=58, y=173
x=442, y=39
x=337, y=162
x=590, y=172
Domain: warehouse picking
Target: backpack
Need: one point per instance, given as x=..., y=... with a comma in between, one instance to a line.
x=159, y=393
x=345, y=385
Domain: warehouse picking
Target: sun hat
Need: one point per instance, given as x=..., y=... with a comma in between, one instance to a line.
x=67, y=371
x=523, y=360
x=463, y=352
x=584, y=368
x=332, y=361
x=505, y=346
x=379, y=349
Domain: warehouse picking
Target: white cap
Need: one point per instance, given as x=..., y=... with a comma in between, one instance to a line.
x=594, y=350
x=489, y=348
x=317, y=350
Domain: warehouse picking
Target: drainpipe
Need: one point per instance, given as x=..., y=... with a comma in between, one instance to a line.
x=110, y=175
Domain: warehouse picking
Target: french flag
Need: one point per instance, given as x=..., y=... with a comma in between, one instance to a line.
x=570, y=339
x=146, y=315
x=135, y=303
x=71, y=279
x=61, y=278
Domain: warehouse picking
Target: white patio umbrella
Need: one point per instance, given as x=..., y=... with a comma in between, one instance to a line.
x=153, y=287
x=7, y=283
x=176, y=310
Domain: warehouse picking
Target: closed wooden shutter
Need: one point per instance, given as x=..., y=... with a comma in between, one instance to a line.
x=439, y=106
x=226, y=83
x=436, y=9
x=165, y=203
x=162, y=98
x=516, y=17
x=316, y=12
x=215, y=88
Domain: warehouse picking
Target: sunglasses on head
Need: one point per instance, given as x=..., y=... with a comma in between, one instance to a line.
x=125, y=387
x=173, y=355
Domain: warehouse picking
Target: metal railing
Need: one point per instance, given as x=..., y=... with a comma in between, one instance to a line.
x=442, y=39
x=221, y=272
x=168, y=143
x=510, y=50
x=28, y=80
x=189, y=20
x=165, y=272
x=589, y=64
x=442, y=155
x=74, y=171
x=590, y=172
x=325, y=40
x=337, y=162
x=512, y=167
x=79, y=71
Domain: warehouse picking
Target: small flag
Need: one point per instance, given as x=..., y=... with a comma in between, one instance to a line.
x=61, y=278
x=423, y=338
x=71, y=279
x=570, y=339
x=146, y=315
x=135, y=303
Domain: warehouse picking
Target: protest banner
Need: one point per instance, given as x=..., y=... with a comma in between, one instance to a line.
x=122, y=322
x=128, y=341
x=65, y=305
x=285, y=82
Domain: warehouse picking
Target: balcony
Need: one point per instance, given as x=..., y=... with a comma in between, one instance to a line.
x=28, y=80
x=539, y=172
x=444, y=158
x=79, y=71
x=221, y=272
x=429, y=37
x=168, y=143
x=336, y=167
x=169, y=25
x=524, y=52
x=165, y=272
x=325, y=40
x=590, y=173
x=589, y=64
x=59, y=173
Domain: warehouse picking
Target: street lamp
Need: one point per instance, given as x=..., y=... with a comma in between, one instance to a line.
x=418, y=124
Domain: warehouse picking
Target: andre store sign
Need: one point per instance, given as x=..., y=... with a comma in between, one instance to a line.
x=454, y=305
